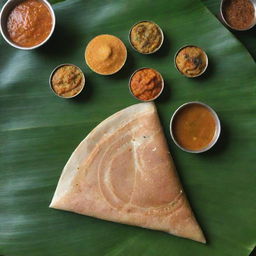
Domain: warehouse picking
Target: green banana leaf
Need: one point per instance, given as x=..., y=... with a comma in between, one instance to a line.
x=39, y=131
x=246, y=37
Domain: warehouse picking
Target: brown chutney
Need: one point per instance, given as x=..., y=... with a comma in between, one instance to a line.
x=239, y=14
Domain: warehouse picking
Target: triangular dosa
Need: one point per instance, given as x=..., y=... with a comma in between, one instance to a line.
x=123, y=172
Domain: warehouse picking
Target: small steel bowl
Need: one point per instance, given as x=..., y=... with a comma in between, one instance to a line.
x=217, y=130
x=237, y=29
x=131, y=89
x=161, y=31
x=55, y=69
x=203, y=71
x=7, y=8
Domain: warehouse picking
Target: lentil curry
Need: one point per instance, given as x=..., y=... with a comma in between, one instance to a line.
x=194, y=127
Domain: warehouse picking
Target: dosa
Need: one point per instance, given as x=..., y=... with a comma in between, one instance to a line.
x=123, y=172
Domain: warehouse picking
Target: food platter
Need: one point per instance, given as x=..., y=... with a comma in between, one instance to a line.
x=39, y=132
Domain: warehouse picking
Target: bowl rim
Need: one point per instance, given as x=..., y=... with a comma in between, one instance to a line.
x=114, y=71
x=55, y=69
x=238, y=29
x=2, y=23
x=217, y=129
x=160, y=29
x=191, y=45
x=137, y=70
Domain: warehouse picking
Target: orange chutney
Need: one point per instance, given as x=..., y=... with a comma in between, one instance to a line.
x=194, y=127
x=146, y=84
x=29, y=23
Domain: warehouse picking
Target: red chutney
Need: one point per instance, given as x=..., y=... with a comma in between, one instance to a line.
x=29, y=23
x=146, y=84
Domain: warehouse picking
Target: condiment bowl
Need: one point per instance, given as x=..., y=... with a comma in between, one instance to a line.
x=237, y=29
x=202, y=72
x=7, y=8
x=217, y=127
x=161, y=31
x=106, y=51
x=156, y=95
x=51, y=76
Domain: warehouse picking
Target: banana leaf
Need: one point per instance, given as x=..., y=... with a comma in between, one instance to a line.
x=39, y=131
x=246, y=37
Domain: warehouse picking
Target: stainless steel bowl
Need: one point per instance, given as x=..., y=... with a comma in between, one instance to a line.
x=227, y=24
x=217, y=130
x=161, y=31
x=7, y=8
x=55, y=69
x=203, y=71
x=131, y=89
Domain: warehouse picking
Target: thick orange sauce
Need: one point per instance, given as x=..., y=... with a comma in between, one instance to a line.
x=29, y=23
x=194, y=127
x=146, y=84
